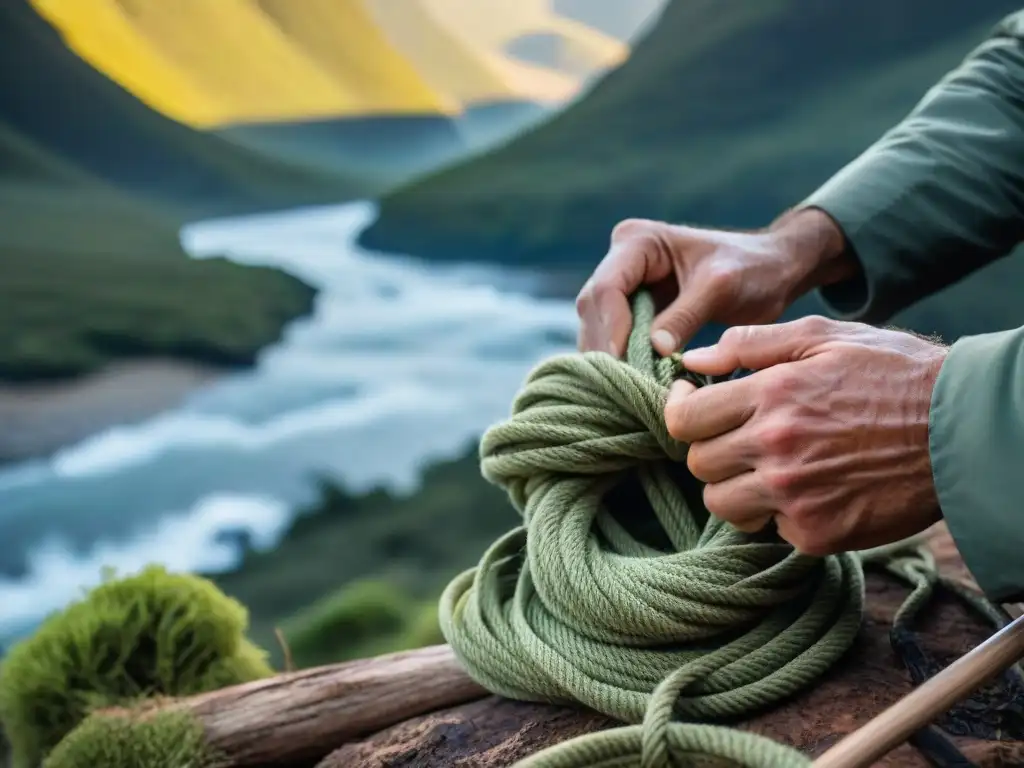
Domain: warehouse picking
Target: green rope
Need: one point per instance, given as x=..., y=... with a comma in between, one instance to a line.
x=620, y=592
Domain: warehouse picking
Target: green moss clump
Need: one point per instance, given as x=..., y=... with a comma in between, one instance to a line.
x=350, y=623
x=152, y=634
x=362, y=619
x=160, y=740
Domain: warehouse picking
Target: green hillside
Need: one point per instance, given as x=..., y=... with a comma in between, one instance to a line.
x=727, y=113
x=74, y=113
x=90, y=275
x=414, y=543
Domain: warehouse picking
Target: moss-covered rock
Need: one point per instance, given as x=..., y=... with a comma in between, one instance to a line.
x=152, y=634
x=170, y=739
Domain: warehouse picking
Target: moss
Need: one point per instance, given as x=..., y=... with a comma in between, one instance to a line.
x=351, y=622
x=170, y=739
x=152, y=634
x=424, y=629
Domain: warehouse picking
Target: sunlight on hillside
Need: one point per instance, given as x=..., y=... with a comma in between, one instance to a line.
x=210, y=64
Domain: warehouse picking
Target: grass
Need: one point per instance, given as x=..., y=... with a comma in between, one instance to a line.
x=92, y=277
x=727, y=112
x=390, y=556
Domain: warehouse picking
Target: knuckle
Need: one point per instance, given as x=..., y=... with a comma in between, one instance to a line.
x=713, y=500
x=732, y=337
x=780, y=481
x=585, y=299
x=777, y=437
x=682, y=318
x=675, y=422
x=695, y=462
x=815, y=325
x=721, y=278
x=812, y=542
x=628, y=229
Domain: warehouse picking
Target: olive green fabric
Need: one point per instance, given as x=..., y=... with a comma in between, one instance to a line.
x=938, y=197
x=621, y=592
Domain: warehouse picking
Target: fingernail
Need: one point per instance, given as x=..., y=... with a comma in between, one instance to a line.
x=699, y=356
x=613, y=350
x=664, y=341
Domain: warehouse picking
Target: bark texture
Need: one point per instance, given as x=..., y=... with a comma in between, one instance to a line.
x=493, y=732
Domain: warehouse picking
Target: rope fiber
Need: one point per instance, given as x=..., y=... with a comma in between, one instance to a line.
x=620, y=592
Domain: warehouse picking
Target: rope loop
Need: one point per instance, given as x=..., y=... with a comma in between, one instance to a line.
x=619, y=591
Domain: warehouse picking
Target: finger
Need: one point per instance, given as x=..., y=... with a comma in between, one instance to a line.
x=680, y=320
x=741, y=501
x=722, y=457
x=631, y=261
x=710, y=411
x=759, y=346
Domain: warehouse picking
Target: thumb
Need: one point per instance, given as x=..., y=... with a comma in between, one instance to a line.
x=758, y=346
x=679, y=321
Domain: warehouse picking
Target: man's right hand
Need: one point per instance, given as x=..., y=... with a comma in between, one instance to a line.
x=702, y=275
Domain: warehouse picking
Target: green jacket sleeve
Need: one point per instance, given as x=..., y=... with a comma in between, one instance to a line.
x=942, y=193
x=976, y=436
x=937, y=197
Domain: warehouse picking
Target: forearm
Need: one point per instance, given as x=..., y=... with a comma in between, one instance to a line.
x=976, y=440
x=937, y=197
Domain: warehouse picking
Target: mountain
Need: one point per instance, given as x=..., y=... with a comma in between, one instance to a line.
x=91, y=274
x=621, y=19
x=53, y=98
x=726, y=113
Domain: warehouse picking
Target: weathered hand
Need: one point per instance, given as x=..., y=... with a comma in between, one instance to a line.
x=704, y=275
x=829, y=435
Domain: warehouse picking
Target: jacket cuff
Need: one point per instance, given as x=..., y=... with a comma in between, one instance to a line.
x=862, y=297
x=976, y=440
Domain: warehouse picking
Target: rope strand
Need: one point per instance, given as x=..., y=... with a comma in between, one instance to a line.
x=619, y=591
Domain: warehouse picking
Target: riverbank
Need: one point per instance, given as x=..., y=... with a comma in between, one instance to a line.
x=39, y=418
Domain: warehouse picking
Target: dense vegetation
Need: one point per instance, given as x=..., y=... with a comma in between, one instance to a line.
x=91, y=277
x=727, y=112
x=355, y=576
x=411, y=545
x=129, y=639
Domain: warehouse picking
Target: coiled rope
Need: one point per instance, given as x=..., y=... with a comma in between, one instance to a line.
x=620, y=592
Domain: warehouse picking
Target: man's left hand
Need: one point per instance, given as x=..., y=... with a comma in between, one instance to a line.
x=828, y=436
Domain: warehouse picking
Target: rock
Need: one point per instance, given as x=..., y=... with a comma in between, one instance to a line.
x=495, y=732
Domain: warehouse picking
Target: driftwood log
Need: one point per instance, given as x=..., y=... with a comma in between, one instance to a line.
x=420, y=710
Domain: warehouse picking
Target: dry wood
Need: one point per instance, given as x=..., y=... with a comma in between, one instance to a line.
x=301, y=716
x=900, y=721
x=496, y=733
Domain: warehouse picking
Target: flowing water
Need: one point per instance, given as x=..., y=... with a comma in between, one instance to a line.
x=401, y=363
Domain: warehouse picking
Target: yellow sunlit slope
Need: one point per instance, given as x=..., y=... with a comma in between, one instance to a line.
x=98, y=31
x=440, y=56
x=343, y=39
x=495, y=23
x=214, y=62
x=241, y=57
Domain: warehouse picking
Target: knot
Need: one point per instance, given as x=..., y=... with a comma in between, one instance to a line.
x=619, y=590
x=587, y=415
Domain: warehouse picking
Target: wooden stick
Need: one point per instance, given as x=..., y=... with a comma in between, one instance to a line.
x=935, y=696
x=302, y=716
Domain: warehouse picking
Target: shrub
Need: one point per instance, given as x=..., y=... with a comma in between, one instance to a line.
x=134, y=740
x=152, y=634
x=348, y=623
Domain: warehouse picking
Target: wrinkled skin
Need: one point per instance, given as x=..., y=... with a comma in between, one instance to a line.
x=702, y=275
x=829, y=435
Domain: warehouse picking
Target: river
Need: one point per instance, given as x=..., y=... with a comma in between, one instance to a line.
x=400, y=363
